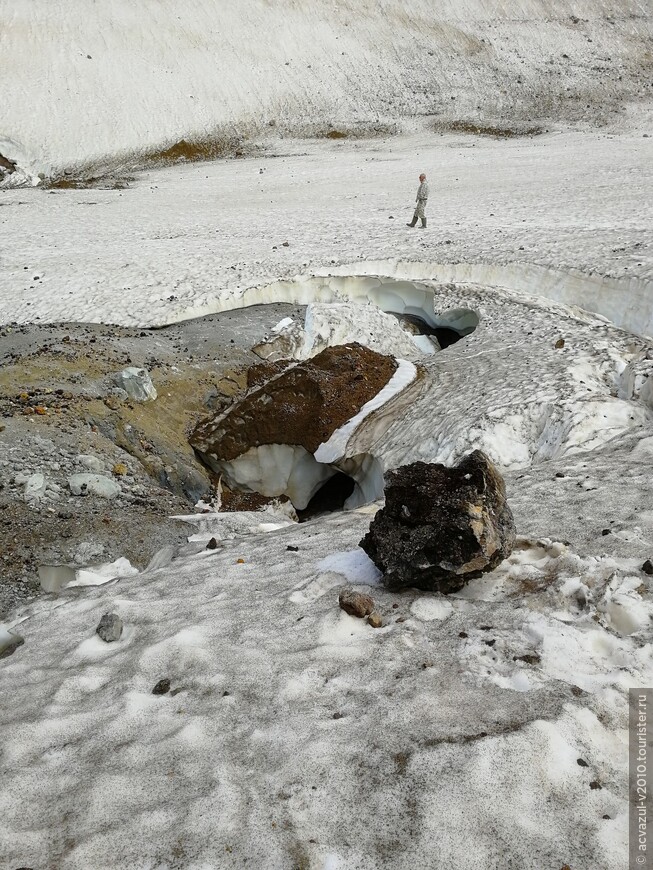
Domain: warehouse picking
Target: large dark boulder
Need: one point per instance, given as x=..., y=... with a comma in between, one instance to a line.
x=440, y=526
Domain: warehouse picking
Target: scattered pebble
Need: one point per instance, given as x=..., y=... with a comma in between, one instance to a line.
x=162, y=687
x=355, y=603
x=109, y=627
x=528, y=658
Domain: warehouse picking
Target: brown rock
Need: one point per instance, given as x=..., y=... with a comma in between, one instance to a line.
x=304, y=405
x=355, y=603
x=375, y=619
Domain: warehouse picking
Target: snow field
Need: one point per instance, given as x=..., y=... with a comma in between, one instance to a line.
x=103, y=767
x=524, y=215
x=82, y=88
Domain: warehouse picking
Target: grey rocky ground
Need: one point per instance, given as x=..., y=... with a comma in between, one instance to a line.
x=61, y=415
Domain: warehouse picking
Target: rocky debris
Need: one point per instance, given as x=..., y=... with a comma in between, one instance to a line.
x=109, y=628
x=54, y=383
x=375, y=619
x=9, y=642
x=355, y=603
x=93, y=484
x=137, y=384
x=647, y=567
x=87, y=552
x=166, y=466
x=162, y=687
x=440, y=526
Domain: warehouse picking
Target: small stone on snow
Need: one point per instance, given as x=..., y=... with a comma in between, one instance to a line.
x=162, y=687
x=355, y=603
x=375, y=619
x=109, y=628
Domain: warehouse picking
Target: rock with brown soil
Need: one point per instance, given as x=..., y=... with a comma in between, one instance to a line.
x=265, y=442
x=304, y=405
x=440, y=526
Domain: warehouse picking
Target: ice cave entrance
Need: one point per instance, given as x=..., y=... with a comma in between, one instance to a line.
x=448, y=327
x=331, y=496
x=412, y=302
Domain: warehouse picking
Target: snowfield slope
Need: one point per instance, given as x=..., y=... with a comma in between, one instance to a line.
x=82, y=81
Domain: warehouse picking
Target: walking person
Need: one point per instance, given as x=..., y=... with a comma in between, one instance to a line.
x=422, y=198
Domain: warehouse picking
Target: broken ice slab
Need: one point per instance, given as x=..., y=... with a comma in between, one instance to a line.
x=9, y=642
x=53, y=578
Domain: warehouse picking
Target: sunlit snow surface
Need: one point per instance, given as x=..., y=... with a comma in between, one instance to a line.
x=298, y=736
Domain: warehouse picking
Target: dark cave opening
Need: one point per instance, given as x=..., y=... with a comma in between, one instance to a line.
x=445, y=335
x=330, y=497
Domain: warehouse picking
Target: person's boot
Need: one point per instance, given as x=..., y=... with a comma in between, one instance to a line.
x=423, y=223
x=413, y=222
